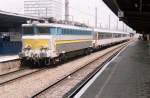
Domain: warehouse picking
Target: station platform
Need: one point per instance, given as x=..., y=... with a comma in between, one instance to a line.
x=127, y=76
x=4, y=58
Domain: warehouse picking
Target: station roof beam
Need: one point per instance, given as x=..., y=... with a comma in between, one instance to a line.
x=136, y=13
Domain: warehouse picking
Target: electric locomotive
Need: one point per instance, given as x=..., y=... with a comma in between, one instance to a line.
x=49, y=42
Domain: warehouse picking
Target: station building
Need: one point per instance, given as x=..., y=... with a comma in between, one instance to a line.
x=43, y=8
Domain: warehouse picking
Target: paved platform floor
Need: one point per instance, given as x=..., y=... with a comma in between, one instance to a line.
x=128, y=76
x=4, y=58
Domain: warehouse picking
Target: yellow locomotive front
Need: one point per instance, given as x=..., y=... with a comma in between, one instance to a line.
x=37, y=44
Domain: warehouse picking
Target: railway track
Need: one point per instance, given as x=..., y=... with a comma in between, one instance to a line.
x=63, y=80
x=5, y=74
x=18, y=75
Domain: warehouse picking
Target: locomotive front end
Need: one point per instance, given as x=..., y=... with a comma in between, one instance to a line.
x=35, y=48
x=38, y=44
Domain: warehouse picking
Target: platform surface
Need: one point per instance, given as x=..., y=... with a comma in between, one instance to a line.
x=128, y=76
x=4, y=58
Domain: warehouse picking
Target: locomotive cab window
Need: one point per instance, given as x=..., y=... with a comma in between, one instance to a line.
x=28, y=30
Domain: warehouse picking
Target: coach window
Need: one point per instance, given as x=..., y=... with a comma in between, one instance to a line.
x=67, y=31
x=86, y=32
x=59, y=31
x=115, y=35
x=101, y=36
x=97, y=35
x=119, y=35
x=108, y=35
x=73, y=31
x=63, y=32
x=78, y=32
x=53, y=31
x=70, y=31
x=43, y=30
x=81, y=33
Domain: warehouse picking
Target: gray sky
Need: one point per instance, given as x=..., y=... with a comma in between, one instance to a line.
x=12, y=5
x=80, y=10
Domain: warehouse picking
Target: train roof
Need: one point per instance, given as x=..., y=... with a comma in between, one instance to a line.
x=58, y=25
x=72, y=27
x=110, y=31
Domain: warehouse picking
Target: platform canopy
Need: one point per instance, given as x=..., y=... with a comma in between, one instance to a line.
x=13, y=20
x=135, y=13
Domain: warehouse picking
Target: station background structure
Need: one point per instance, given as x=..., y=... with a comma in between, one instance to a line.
x=10, y=31
x=10, y=24
x=43, y=8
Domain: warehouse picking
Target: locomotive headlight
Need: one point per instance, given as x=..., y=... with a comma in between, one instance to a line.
x=44, y=52
x=27, y=48
x=44, y=48
x=27, y=51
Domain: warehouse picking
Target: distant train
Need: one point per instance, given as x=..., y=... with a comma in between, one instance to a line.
x=48, y=42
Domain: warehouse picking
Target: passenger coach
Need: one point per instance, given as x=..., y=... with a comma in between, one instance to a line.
x=108, y=37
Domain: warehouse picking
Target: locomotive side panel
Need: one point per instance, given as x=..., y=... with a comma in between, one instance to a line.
x=73, y=39
x=72, y=45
